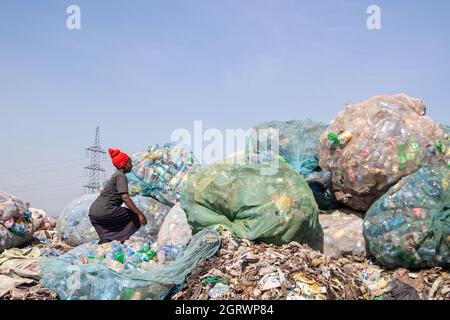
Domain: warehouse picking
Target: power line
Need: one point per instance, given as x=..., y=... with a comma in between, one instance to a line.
x=39, y=172
x=56, y=198
x=43, y=165
x=51, y=181
x=48, y=187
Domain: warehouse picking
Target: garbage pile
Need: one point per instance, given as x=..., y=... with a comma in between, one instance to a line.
x=75, y=228
x=383, y=157
x=276, y=208
x=20, y=274
x=370, y=146
x=246, y=270
x=409, y=226
x=160, y=172
x=17, y=221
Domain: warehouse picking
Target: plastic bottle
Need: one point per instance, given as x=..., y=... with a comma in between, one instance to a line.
x=402, y=157
x=333, y=138
x=119, y=256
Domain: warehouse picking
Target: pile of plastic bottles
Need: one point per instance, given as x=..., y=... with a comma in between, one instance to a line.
x=161, y=171
x=11, y=207
x=20, y=226
x=135, y=253
x=409, y=225
x=14, y=215
x=370, y=146
x=131, y=270
x=50, y=252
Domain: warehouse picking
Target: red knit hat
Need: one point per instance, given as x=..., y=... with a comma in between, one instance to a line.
x=119, y=159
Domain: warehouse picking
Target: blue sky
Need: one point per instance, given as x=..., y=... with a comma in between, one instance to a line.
x=140, y=69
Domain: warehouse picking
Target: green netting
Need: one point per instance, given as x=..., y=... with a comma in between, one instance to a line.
x=298, y=142
x=299, y=146
x=71, y=279
x=253, y=204
x=410, y=225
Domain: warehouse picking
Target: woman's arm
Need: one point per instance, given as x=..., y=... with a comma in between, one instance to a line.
x=130, y=204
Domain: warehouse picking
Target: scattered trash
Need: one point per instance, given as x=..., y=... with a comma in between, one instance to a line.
x=50, y=252
x=219, y=290
x=370, y=146
x=401, y=291
x=296, y=272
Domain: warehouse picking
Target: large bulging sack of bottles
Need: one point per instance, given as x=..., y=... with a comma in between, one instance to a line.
x=370, y=146
x=298, y=143
x=256, y=201
x=160, y=172
x=16, y=226
x=410, y=225
x=128, y=271
x=75, y=228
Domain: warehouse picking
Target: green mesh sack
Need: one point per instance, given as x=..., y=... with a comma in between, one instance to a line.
x=276, y=207
x=410, y=225
x=299, y=146
x=298, y=142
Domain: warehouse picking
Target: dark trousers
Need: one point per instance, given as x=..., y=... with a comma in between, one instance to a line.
x=119, y=224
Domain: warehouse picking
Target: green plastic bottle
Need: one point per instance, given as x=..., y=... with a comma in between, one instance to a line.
x=401, y=157
x=120, y=257
x=439, y=146
x=333, y=138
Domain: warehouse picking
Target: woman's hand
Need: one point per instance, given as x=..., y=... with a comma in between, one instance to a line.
x=142, y=219
x=130, y=204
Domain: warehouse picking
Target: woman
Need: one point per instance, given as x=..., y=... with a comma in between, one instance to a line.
x=109, y=218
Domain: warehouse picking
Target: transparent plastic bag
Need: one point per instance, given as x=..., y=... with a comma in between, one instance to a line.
x=71, y=279
x=16, y=227
x=410, y=225
x=75, y=228
x=340, y=234
x=370, y=146
x=174, y=233
x=160, y=172
x=11, y=207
